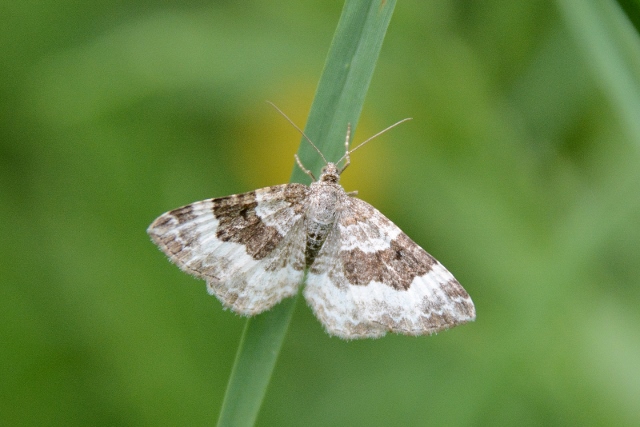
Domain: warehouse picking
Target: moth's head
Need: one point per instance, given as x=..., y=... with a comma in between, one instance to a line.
x=330, y=173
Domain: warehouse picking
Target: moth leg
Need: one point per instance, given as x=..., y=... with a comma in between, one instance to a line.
x=347, y=159
x=305, y=170
x=352, y=193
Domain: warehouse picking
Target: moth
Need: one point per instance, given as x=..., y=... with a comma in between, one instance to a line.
x=364, y=276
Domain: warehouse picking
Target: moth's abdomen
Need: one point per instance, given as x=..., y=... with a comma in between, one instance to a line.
x=316, y=235
x=324, y=200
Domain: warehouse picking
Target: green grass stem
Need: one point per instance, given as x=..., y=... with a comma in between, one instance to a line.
x=339, y=99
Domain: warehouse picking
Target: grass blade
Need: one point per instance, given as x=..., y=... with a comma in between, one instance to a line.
x=344, y=82
x=339, y=99
x=612, y=49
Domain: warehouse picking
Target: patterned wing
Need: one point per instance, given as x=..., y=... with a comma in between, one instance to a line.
x=369, y=278
x=248, y=247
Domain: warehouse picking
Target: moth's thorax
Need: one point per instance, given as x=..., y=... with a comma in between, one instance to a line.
x=324, y=201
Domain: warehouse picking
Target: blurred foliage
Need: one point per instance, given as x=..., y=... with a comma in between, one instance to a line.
x=519, y=172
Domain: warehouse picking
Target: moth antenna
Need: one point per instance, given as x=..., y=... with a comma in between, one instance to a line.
x=346, y=155
x=298, y=129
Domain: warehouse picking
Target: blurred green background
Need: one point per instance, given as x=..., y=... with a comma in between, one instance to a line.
x=519, y=172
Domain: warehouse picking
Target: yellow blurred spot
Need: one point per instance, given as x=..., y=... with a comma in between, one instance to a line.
x=267, y=142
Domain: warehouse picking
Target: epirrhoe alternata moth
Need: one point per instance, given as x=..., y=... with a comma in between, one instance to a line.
x=365, y=276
